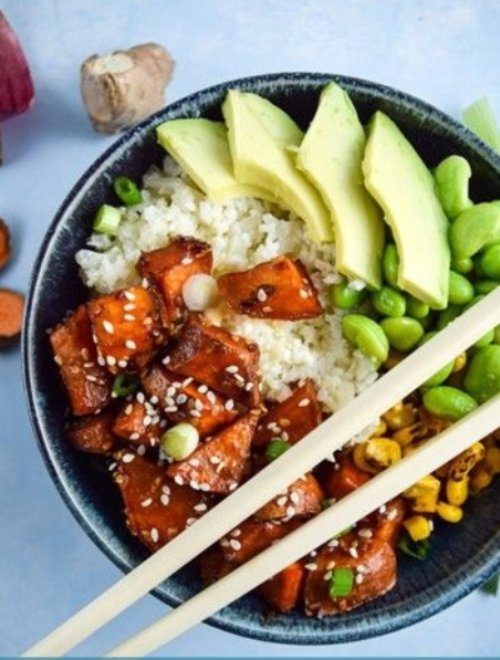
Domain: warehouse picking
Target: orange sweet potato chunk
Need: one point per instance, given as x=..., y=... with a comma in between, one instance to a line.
x=292, y=419
x=156, y=508
x=138, y=422
x=87, y=382
x=223, y=361
x=303, y=498
x=282, y=592
x=170, y=267
x=279, y=289
x=126, y=327
x=222, y=461
x=339, y=479
x=94, y=434
x=186, y=400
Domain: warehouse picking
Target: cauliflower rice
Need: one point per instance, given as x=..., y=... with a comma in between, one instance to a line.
x=242, y=233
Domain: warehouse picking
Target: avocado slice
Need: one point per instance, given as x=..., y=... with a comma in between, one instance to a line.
x=399, y=180
x=330, y=155
x=201, y=147
x=260, y=135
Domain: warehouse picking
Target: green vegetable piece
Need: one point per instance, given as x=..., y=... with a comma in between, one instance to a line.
x=107, y=220
x=403, y=333
x=390, y=265
x=440, y=376
x=484, y=287
x=389, y=302
x=416, y=549
x=497, y=334
x=490, y=261
x=180, y=441
x=416, y=308
x=341, y=582
x=474, y=229
x=492, y=586
x=448, y=315
x=479, y=118
x=482, y=378
x=448, y=402
x=452, y=179
x=463, y=266
x=127, y=191
x=125, y=384
x=366, y=335
x=275, y=448
x=344, y=296
x=460, y=289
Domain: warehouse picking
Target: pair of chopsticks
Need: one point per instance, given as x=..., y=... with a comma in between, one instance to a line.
x=276, y=477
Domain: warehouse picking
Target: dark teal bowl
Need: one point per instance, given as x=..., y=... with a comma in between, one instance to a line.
x=463, y=556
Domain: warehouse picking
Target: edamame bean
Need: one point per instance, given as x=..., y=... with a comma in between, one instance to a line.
x=490, y=262
x=482, y=378
x=344, y=297
x=366, y=335
x=416, y=308
x=486, y=339
x=460, y=290
x=452, y=181
x=390, y=265
x=462, y=265
x=497, y=334
x=180, y=441
x=389, y=302
x=475, y=228
x=485, y=286
x=448, y=402
x=443, y=373
x=448, y=315
x=403, y=332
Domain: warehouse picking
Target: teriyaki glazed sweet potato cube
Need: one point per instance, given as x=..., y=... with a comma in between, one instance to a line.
x=278, y=289
x=127, y=329
x=223, y=361
x=283, y=591
x=94, y=434
x=87, y=382
x=169, y=268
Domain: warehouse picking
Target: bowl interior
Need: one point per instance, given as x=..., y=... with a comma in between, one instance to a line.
x=463, y=556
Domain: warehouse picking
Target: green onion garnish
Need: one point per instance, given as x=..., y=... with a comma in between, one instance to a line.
x=341, y=582
x=127, y=191
x=417, y=549
x=107, y=220
x=491, y=587
x=124, y=384
x=275, y=448
x=479, y=118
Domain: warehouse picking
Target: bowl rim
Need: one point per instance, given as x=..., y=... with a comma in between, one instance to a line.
x=487, y=561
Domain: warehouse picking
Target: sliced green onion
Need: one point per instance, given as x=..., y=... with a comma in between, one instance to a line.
x=125, y=384
x=479, y=118
x=275, y=448
x=491, y=587
x=107, y=220
x=341, y=582
x=416, y=549
x=127, y=191
x=180, y=441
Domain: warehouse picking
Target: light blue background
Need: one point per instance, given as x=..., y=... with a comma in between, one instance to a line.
x=444, y=51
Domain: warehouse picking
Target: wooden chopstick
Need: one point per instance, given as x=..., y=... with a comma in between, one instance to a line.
x=317, y=531
x=276, y=477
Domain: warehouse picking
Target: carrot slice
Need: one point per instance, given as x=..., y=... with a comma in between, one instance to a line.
x=11, y=316
x=4, y=243
x=278, y=289
x=87, y=382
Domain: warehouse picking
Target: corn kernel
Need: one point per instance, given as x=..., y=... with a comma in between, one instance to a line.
x=379, y=430
x=449, y=512
x=359, y=458
x=400, y=415
x=457, y=491
x=382, y=452
x=418, y=527
x=424, y=494
x=464, y=462
x=460, y=362
x=480, y=478
x=492, y=460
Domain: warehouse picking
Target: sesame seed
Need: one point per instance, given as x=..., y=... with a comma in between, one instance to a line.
x=108, y=327
x=261, y=295
x=233, y=486
x=145, y=283
x=134, y=436
x=164, y=499
x=214, y=459
x=190, y=521
x=229, y=405
x=232, y=369
x=204, y=487
x=130, y=344
x=166, y=360
x=359, y=578
x=220, y=467
x=101, y=361
x=248, y=387
x=170, y=401
x=147, y=502
x=155, y=535
x=182, y=398
x=179, y=480
x=294, y=497
x=147, y=420
x=240, y=379
x=123, y=364
x=304, y=403
x=201, y=507
x=281, y=501
x=236, y=532
x=267, y=309
x=128, y=458
x=224, y=543
x=187, y=381
x=165, y=489
x=111, y=360
x=85, y=353
x=194, y=462
x=327, y=575
x=148, y=321
x=194, y=485
x=195, y=413
x=311, y=567
x=365, y=533
x=91, y=378
x=186, y=261
x=171, y=409
x=129, y=307
x=303, y=293
x=382, y=509
x=392, y=514
x=112, y=466
x=361, y=568
x=58, y=360
x=154, y=400
x=234, y=544
x=313, y=553
x=333, y=543
x=290, y=511
x=285, y=435
x=203, y=389
x=171, y=391
x=141, y=450
x=353, y=552
x=211, y=397
x=330, y=566
x=129, y=317
x=198, y=405
x=129, y=295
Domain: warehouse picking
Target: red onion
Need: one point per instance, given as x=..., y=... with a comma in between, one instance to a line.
x=16, y=85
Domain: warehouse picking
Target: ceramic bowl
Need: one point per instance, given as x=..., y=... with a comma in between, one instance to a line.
x=463, y=556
